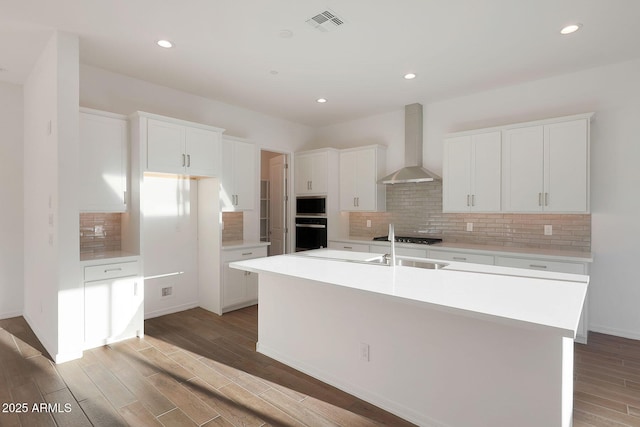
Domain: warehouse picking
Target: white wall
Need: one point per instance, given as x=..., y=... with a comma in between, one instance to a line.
x=52, y=282
x=613, y=93
x=11, y=225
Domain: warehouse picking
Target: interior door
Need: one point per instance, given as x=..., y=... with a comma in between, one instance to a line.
x=277, y=206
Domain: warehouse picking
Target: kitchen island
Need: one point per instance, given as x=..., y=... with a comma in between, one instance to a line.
x=443, y=347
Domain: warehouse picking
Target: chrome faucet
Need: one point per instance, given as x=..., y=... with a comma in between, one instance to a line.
x=392, y=239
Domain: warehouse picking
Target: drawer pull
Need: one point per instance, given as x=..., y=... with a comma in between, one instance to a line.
x=108, y=270
x=247, y=253
x=537, y=266
x=347, y=247
x=459, y=258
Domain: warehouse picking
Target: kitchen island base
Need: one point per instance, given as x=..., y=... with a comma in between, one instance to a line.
x=430, y=365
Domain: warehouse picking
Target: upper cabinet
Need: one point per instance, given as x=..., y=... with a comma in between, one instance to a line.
x=239, y=175
x=471, y=173
x=360, y=169
x=185, y=148
x=312, y=172
x=103, y=161
x=546, y=167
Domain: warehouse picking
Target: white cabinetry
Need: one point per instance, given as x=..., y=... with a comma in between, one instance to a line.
x=312, y=172
x=546, y=167
x=239, y=175
x=348, y=246
x=113, y=302
x=180, y=147
x=239, y=288
x=360, y=169
x=461, y=256
x=103, y=162
x=471, y=173
x=558, y=266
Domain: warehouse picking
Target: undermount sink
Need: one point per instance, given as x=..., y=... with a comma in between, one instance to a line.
x=406, y=262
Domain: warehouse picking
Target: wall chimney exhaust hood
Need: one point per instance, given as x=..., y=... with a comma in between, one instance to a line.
x=412, y=170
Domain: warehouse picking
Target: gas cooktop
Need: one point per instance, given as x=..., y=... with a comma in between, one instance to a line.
x=417, y=240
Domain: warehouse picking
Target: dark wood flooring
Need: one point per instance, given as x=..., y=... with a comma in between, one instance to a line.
x=197, y=368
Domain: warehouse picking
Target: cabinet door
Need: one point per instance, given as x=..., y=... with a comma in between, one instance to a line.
x=113, y=310
x=303, y=174
x=522, y=174
x=348, y=161
x=165, y=147
x=457, y=174
x=251, y=281
x=234, y=289
x=566, y=167
x=203, y=152
x=461, y=257
x=319, y=173
x=245, y=175
x=365, y=180
x=103, y=164
x=486, y=172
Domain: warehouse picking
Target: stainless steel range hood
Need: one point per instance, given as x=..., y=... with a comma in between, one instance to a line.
x=412, y=170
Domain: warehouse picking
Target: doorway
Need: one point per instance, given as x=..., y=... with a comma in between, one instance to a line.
x=274, y=201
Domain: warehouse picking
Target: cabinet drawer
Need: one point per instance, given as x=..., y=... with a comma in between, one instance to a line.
x=418, y=253
x=542, y=265
x=110, y=271
x=461, y=257
x=342, y=246
x=246, y=253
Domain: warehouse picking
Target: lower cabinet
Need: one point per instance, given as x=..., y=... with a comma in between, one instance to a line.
x=347, y=246
x=113, y=303
x=461, y=257
x=542, y=265
x=239, y=288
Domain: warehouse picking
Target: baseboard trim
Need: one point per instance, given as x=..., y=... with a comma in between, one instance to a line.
x=634, y=335
x=170, y=310
x=10, y=314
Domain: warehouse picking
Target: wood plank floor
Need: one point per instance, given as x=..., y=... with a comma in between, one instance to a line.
x=195, y=368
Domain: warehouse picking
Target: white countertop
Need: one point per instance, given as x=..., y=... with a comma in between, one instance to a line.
x=107, y=256
x=541, y=300
x=576, y=256
x=240, y=244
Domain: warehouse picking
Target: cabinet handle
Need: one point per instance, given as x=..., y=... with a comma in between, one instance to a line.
x=189, y=160
x=467, y=200
x=237, y=200
x=358, y=201
x=473, y=200
x=108, y=270
x=459, y=258
x=347, y=247
x=184, y=160
x=546, y=199
x=539, y=199
x=310, y=185
x=537, y=266
x=247, y=253
x=354, y=202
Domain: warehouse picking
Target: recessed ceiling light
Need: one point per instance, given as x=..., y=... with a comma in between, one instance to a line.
x=285, y=34
x=165, y=43
x=570, y=29
x=273, y=72
x=321, y=100
x=409, y=76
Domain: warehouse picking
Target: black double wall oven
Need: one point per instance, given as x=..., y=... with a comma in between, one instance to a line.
x=311, y=223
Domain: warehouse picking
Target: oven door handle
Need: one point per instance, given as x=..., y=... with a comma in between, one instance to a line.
x=311, y=226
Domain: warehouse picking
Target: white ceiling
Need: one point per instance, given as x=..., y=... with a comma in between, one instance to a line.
x=228, y=49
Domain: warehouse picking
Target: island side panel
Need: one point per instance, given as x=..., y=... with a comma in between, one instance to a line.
x=431, y=367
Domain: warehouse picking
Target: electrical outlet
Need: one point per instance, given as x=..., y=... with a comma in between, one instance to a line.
x=469, y=226
x=364, y=352
x=167, y=291
x=548, y=230
x=368, y=223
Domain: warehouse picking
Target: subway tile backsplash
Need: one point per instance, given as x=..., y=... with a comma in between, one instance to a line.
x=416, y=210
x=100, y=232
x=233, y=226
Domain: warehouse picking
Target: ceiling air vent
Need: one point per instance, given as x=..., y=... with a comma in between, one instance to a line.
x=325, y=21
